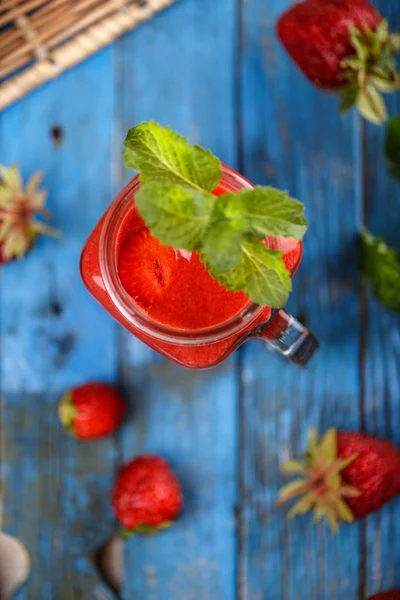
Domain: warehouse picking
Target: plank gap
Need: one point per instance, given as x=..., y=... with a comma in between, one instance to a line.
x=241, y=485
x=363, y=348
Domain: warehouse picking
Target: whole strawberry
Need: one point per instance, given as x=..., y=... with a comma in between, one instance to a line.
x=147, y=496
x=345, y=46
x=18, y=209
x=92, y=410
x=345, y=477
x=392, y=595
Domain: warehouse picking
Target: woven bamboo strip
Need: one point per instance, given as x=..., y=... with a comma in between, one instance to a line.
x=19, y=10
x=8, y=43
x=7, y=4
x=89, y=20
x=83, y=45
x=38, y=39
x=32, y=37
x=63, y=24
x=72, y=22
x=55, y=11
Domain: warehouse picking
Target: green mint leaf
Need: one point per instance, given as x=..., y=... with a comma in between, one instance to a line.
x=381, y=268
x=161, y=155
x=392, y=147
x=177, y=216
x=265, y=211
x=221, y=249
x=260, y=272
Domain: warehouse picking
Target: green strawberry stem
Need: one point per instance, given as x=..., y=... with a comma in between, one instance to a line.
x=371, y=71
x=143, y=529
x=19, y=206
x=320, y=482
x=67, y=412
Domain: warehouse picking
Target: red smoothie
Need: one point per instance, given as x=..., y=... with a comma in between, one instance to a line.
x=172, y=289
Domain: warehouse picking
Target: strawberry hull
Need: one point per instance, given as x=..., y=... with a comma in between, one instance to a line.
x=345, y=476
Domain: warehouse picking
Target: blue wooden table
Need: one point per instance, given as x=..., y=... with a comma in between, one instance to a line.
x=213, y=71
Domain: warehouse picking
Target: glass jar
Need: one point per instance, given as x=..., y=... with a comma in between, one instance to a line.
x=198, y=348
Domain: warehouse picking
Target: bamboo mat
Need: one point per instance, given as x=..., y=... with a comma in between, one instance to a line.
x=41, y=39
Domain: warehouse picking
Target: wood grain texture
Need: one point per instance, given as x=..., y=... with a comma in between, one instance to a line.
x=179, y=70
x=382, y=346
x=293, y=137
x=53, y=336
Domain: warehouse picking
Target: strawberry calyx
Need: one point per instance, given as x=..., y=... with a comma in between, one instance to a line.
x=371, y=70
x=67, y=412
x=19, y=207
x=320, y=484
x=143, y=529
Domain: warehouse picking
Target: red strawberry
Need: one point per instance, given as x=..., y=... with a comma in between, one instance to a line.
x=147, y=495
x=345, y=477
x=343, y=45
x=92, y=410
x=18, y=207
x=145, y=266
x=392, y=595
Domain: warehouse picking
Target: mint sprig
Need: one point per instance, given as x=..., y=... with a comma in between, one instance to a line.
x=177, y=205
x=265, y=211
x=381, y=268
x=370, y=70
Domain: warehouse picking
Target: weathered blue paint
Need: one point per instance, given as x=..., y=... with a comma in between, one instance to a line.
x=382, y=349
x=184, y=77
x=217, y=74
x=54, y=336
x=293, y=137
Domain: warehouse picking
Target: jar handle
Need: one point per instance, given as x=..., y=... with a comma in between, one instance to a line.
x=288, y=336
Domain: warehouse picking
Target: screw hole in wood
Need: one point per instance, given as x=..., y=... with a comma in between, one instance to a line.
x=57, y=135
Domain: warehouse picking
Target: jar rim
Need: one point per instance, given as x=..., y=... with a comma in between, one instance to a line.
x=131, y=311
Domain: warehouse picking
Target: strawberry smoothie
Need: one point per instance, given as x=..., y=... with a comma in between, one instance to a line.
x=165, y=297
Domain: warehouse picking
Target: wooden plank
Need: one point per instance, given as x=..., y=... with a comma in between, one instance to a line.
x=382, y=347
x=53, y=336
x=179, y=70
x=190, y=419
x=294, y=138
